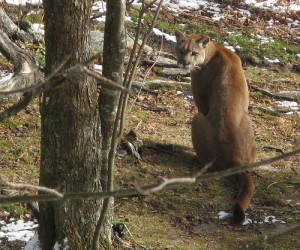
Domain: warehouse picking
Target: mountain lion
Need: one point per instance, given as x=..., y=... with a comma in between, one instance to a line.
x=221, y=130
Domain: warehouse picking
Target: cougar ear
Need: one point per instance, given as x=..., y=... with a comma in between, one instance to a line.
x=202, y=41
x=179, y=36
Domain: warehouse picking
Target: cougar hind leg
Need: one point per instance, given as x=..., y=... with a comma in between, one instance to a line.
x=244, y=148
x=202, y=138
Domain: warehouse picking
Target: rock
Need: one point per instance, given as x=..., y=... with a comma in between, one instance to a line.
x=171, y=72
x=161, y=59
x=97, y=41
x=293, y=94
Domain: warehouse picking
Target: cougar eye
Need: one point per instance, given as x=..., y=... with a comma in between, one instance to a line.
x=194, y=53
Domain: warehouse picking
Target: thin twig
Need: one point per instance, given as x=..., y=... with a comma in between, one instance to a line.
x=129, y=77
x=168, y=182
x=54, y=80
x=105, y=81
x=151, y=187
x=31, y=187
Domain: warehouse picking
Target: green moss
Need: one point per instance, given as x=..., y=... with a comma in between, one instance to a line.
x=38, y=50
x=13, y=123
x=15, y=210
x=5, y=64
x=36, y=17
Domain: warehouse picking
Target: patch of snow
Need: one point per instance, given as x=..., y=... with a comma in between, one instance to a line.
x=98, y=68
x=272, y=219
x=33, y=243
x=288, y=104
x=274, y=5
x=289, y=201
x=24, y=2
x=100, y=6
x=217, y=18
x=227, y=46
x=63, y=247
x=271, y=61
x=265, y=40
x=268, y=168
x=246, y=12
x=185, y=4
x=247, y=221
x=223, y=215
x=100, y=19
x=165, y=35
x=38, y=28
x=19, y=230
x=5, y=77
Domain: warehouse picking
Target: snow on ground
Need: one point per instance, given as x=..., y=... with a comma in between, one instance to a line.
x=24, y=2
x=165, y=35
x=33, y=243
x=5, y=76
x=292, y=106
x=270, y=219
x=17, y=230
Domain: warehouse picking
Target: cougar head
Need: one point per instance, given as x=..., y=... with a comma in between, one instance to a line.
x=190, y=50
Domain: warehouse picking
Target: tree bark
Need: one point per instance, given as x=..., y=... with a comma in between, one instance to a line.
x=71, y=132
x=113, y=60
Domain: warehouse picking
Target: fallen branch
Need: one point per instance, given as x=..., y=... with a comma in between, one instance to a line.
x=265, y=110
x=279, y=150
x=12, y=30
x=161, y=83
x=153, y=108
x=271, y=94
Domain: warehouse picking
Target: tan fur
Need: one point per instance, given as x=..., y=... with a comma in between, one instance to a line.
x=221, y=129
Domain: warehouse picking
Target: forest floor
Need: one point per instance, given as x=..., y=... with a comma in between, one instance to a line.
x=187, y=217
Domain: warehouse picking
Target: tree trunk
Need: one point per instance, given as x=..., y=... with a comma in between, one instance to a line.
x=113, y=60
x=71, y=132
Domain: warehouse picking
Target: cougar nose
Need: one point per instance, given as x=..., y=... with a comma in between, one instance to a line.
x=183, y=64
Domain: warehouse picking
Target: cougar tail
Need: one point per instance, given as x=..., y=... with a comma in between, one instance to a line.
x=246, y=189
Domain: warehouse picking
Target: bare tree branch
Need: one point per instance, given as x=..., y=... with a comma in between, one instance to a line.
x=168, y=182
x=236, y=170
x=198, y=177
x=53, y=81
x=31, y=187
x=131, y=72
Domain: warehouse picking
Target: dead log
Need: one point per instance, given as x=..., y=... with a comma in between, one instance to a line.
x=12, y=30
x=26, y=71
x=274, y=95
